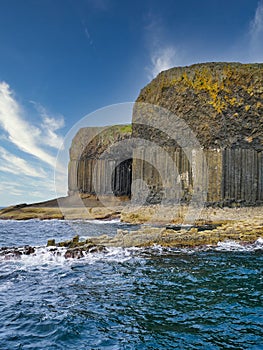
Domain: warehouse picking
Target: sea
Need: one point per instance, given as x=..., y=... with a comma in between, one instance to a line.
x=136, y=298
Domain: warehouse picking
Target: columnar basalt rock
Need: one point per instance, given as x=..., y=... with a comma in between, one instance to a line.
x=203, y=132
x=99, y=163
x=222, y=106
x=222, y=103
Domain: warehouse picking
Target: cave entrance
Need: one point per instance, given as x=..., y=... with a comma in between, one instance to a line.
x=122, y=179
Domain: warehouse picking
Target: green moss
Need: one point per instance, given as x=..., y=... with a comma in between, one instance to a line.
x=221, y=102
x=125, y=129
x=114, y=130
x=112, y=133
x=218, y=81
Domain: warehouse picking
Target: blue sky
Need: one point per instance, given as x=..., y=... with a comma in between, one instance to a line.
x=63, y=59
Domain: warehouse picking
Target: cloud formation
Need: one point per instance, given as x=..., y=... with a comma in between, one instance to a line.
x=162, y=53
x=257, y=23
x=256, y=34
x=49, y=126
x=87, y=33
x=26, y=137
x=28, y=171
x=166, y=52
x=162, y=59
x=12, y=189
x=15, y=165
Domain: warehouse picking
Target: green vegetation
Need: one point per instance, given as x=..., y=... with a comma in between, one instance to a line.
x=221, y=102
x=126, y=129
x=222, y=83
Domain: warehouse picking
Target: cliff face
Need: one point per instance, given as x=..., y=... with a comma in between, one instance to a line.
x=221, y=102
x=95, y=142
x=203, y=127
x=99, y=162
x=213, y=107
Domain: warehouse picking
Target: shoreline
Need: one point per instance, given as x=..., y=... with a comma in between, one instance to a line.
x=242, y=234
x=89, y=208
x=167, y=226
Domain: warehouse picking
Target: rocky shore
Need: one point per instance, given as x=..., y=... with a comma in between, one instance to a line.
x=245, y=232
x=167, y=226
x=87, y=207
x=208, y=234
x=77, y=207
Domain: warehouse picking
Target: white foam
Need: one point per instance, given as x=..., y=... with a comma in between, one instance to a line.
x=8, y=221
x=119, y=254
x=52, y=256
x=235, y=246
x=5, y=286
x=260, y=240
x=45, y=256
x=95, y=221
x=229, y=245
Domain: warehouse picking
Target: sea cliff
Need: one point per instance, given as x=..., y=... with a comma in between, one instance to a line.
x=222, y=106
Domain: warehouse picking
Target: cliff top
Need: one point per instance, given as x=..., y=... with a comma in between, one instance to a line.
x=221, y=102
x=92, y=142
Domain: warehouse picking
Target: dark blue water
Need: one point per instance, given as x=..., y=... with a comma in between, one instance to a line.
x=128, y=299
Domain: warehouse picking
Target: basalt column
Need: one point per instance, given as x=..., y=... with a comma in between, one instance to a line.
x=100, y=161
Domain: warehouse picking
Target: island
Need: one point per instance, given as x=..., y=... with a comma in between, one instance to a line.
x=191, y=158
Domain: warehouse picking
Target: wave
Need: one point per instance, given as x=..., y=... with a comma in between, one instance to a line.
x=95, y=221
x=54, y=256
x=51, y=256
x=236, y=246
x=5, y=286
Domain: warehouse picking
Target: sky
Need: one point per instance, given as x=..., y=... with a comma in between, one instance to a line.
x=61, y=60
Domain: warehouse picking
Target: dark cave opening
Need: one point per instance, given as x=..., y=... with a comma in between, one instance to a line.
x=122, y=179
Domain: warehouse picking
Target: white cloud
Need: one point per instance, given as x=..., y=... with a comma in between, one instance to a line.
x=162, y=59
x=25, y=136
x=21, y=191
x=256, y=34
x=49, y=125
x=12, y=190
x=21, y=174
x=162, y=54
x=87, y=34
x=257, y=23
x=166, y=52
x=15, y=165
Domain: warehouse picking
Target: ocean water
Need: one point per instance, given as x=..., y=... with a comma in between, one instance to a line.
x=128, y=298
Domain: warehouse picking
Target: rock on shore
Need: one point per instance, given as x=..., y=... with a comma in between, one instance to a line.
x=80, y=206
x=243, y=232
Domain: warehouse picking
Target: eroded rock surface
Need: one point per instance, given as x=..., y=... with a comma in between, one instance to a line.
x=221, y=102
x=243, y=232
